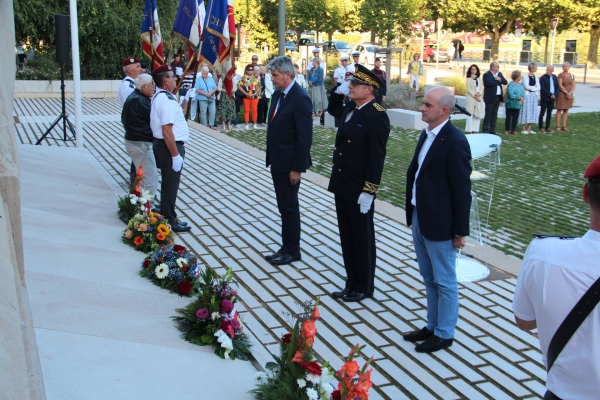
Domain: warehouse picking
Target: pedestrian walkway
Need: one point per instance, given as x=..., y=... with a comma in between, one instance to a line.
x=226, y=195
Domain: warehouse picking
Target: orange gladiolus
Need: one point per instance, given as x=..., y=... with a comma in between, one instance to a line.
x=316, y=314
x=138, y=241
x=297, y=357
x=309, y=329
x=160, y=236
x=350, y=368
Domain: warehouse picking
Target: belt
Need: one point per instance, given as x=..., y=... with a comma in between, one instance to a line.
x=177, y=141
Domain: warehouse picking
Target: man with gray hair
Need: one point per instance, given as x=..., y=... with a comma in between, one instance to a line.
x=131, y=69
x=438, y=203
x=135, y=118
x=289, y=137
x=492, y=96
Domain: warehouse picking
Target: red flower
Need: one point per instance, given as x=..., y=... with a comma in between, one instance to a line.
x=286, y=338
x=312, y=367
x=138, y=241
x=136, y=192
x=336, y=395
x=178, y=248
x=226, y=306
x=146, y=263
x=227, y=328
x=184, y=287
x=350, y=368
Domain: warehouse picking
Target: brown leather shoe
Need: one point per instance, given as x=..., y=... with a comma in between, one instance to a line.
x=548, y=130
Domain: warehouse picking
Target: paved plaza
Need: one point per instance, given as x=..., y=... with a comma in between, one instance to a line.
x=226, y=194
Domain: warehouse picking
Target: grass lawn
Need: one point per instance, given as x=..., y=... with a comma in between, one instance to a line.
x=537, y=188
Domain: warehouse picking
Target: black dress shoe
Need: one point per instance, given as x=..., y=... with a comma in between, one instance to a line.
x=341, y=293
x=432, y=344
x=285, y=259
x=156, y=210
x=180, y=228
x=419, y=335
x=356, y=296
x=270, y=257
x=181, y=222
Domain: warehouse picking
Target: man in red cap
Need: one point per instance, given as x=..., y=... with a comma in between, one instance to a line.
x=170, y=131
x=132, y=69
x=556, y=274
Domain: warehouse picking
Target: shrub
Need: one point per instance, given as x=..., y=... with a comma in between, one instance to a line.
x=458, y=83
x=402, y=96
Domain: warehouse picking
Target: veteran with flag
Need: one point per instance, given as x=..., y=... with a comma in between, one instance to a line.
x=358, y=158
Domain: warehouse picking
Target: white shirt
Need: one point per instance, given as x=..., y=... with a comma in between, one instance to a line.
x=165, y=111
x=528, y=88
x=431, y=135
x=340, y=74
x=301, y=80
x=269, y=89
x=552, y=84
x=554, y=275
x=126, y=88
x=499, y=87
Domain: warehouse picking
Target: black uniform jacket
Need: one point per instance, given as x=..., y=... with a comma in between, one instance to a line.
x=359, y=151
x=135, y=117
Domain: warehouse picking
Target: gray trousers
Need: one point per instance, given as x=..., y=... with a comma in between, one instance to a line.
x=141, y=153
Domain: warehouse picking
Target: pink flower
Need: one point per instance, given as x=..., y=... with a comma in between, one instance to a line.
x=202, y=313
x=143, y=227
x=226, y=307
x=136, y=224
x=128, y=234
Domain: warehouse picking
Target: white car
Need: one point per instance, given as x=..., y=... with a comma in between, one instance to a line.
x=368, y=53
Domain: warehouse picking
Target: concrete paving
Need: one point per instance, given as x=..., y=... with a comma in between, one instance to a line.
x=226, y=195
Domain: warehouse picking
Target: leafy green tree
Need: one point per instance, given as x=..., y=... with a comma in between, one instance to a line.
x=587, y=15
x=389, y=19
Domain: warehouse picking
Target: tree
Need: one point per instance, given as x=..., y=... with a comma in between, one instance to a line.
x=587, y=13
x=389, y=19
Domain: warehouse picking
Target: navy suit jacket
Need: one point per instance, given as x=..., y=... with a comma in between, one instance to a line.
x=545, y=87
x=443, y=185
x=289, y=135
x=490, y=85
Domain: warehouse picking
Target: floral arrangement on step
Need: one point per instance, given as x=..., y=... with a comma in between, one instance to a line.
x=172, y=267
x=353, y=384
x=147, y=231
x=211, y=319
x=296, y=374
x=137, y=201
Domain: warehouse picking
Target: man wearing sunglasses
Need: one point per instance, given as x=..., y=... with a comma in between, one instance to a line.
x=170, y=131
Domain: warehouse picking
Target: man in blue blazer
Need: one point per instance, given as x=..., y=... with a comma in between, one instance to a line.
x=492, y=96
x=549, y=92
x=438, y=202
x=289, y=137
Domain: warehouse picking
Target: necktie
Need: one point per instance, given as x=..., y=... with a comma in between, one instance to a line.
x=277, y=106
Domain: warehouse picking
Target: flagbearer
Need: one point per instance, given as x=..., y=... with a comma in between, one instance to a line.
x=132, y=69
x=170, y=131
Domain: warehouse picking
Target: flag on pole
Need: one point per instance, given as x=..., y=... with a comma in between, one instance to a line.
x=189, y=20
x=151, y=40
x=218, y=40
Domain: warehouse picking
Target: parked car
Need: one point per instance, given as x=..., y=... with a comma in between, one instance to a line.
x=304, y=41
x=431, y=52
x=290, y=46
x=368, y=54
x=338, y=48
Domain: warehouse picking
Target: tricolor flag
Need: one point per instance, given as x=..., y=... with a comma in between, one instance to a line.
x=218, y=40
x=189, y=20
x=151, y=40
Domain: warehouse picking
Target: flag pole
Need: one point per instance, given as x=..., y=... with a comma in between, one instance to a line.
x=169, y=47
x=151, y=29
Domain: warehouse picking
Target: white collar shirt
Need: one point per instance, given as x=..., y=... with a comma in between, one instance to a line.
x=551, y=84
x=499, y=87
x=554, y=276
x=431, y=135
x=166, y=111
x=340, y=74
x=125, y=89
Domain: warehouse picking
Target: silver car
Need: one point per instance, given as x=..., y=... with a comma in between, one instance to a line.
x=368, y=53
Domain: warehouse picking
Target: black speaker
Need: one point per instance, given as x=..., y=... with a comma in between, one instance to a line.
x=61, y=40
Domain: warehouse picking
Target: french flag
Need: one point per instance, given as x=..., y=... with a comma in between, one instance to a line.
x=152, y=44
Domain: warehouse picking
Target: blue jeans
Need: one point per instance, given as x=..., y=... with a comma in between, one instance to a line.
x=205, y=105
x=437, y=265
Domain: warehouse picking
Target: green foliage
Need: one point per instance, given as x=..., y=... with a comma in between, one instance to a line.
x=402, y=96
x=43, y=67
x=389, y=19
x=457, y=82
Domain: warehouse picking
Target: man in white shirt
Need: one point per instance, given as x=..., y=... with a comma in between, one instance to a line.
x=170, y=131
x=554, y=276
x=339, y=75
x=492, y=96
x=131, y=69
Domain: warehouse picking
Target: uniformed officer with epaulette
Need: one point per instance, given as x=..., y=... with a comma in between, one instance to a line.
x=170, y=131
x=131, y=69
x=358, y=158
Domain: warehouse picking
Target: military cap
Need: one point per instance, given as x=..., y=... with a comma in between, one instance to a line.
x=355, y=53
x=316, y=50
x=364, y=76
x=162, y=68
x=129, y=61
x=593, y=170
x=344, y=58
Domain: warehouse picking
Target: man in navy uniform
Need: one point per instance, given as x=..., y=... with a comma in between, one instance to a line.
x=170, y=131
x=358, y=158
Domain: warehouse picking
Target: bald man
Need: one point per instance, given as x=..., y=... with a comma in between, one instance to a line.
x=438, y=203
x=492, y=96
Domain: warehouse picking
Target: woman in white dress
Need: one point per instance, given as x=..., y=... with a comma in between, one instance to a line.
x=300, y=78
x=475, y=103
x=529, y=110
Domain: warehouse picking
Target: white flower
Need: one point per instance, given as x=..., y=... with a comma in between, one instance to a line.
x=259, y=377
x=180, y=262
x=301, y=383
x=326, y=377
x=133, y=201
x=326, y=389
x=215, y=316
x=312, y=394
x=162, y=271
x=226, y=355
x=313, y=378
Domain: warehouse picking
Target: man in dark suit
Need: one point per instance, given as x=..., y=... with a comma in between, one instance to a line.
x=492, y=96
x=358, y=158
x=438, y=201
x=289, y=137
x=549, y=92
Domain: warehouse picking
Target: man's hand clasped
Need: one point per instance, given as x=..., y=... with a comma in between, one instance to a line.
x=459, y=242
x=365, y=200
x=177, y=163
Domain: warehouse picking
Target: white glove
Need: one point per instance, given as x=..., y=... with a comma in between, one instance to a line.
x=344, y=89
x=365, y=200
x=177, y=163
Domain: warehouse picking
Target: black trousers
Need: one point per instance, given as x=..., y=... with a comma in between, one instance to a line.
x=289, y=208
x=262, y=110
x=170, y=179
x=491, y=116
x=357, y=237
x=546, y=108
x=550, y=396
x=512, y=116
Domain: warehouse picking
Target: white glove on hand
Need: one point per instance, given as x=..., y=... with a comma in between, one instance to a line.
x=365, y=200
x=344, y=89
x=177, y=163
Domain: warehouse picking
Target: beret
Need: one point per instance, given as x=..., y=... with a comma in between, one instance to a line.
x=129, y=61
x=593, y=169
x=162, y=68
